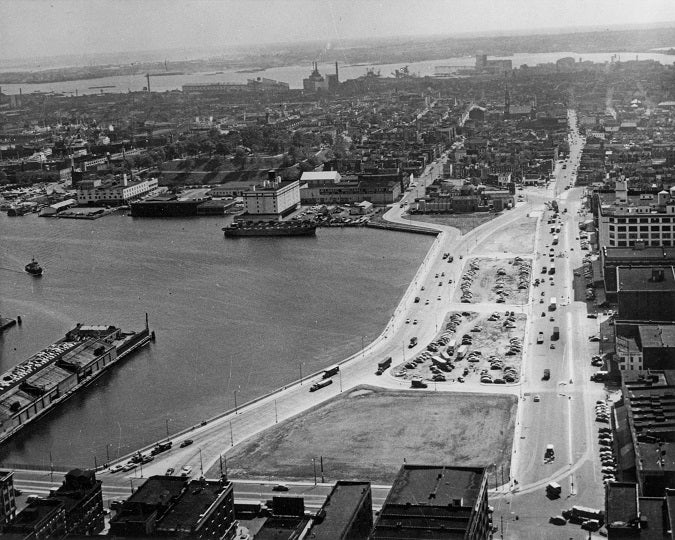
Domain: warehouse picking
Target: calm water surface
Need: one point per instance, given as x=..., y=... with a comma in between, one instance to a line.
x=230, y=314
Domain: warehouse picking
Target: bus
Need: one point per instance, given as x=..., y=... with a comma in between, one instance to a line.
x=327, y=374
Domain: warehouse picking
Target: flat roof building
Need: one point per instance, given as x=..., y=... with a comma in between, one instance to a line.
x=346, y=514
x=435, y=502
x=646, y=293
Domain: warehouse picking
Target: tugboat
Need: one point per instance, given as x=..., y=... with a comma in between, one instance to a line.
x=33, y=268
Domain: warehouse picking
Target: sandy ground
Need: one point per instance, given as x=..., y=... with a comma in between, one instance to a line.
x=493, y=340
x=463, y=222
x=517, y=238
x=495, y=280
x=367, y=433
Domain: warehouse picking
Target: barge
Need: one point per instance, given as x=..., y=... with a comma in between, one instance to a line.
x=270, y=228
x=48, y=378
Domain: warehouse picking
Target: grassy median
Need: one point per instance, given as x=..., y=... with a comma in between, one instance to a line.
x=367, y=433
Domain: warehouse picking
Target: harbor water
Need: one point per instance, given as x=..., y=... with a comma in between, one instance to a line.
x=235, y=318
x=295, y=74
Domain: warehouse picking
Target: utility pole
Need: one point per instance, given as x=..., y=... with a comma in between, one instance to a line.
x=167, y=429
x=314, y=465
x=323, y=481
x=276, y=414
x=231, y=435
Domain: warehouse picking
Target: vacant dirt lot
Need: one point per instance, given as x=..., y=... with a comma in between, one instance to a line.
x=463, y=222
x=495, y=280
x=516, y=238
x=367, y=433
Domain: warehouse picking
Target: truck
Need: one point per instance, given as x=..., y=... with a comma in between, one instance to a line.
x=551, y=270
x=552, y=304
x=319, y=385
x=413, y=342
x=552, y=230
x=417, y=382
x=556, y=333
x=540, y=338
x=547, y=374
x=461, y=352
x=555, y=240
x=579, y=514
x=553, y=490
x=382, y=365
x=327, y=374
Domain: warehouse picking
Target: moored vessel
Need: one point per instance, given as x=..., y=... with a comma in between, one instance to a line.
x=270, y=228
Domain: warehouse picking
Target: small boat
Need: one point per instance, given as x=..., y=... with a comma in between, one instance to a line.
x=33, y=268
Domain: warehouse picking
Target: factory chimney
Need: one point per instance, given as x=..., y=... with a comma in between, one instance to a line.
x=337, y=74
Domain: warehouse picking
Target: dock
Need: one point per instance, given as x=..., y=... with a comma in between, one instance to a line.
x=48, y=378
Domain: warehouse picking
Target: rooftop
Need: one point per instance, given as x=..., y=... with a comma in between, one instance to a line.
x=341, y=505
x=647, y=253
x=657, y=335
x=622, y=502
x=642, y=278
x=158, y=490
x=191, y=506
x=420, y=485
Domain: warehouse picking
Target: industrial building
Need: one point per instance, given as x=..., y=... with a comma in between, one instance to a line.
x=177, y=507
x=113, y=192
x=274, y=199
x=435, y=502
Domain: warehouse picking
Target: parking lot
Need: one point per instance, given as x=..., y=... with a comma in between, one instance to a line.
x=471, y=348
x=505, y=281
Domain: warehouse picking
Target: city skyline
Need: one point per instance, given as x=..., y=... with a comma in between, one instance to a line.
x=40, y=28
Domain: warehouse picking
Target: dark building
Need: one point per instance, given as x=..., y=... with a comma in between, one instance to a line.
x=636, y=256
x=173, y=506
x=645, y=430
x=435, y=502
x=646, y=294
x=7, y=503
x=630, y=516
x=41, y=519
x=82, y=501
x=347, y=513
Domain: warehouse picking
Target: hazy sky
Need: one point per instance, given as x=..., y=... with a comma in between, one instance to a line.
x=30, y=28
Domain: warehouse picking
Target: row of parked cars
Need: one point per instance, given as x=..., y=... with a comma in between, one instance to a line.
x=467, y=281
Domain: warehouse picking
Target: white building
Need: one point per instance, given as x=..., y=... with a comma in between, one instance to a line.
x=272, y=200
x=647, y=218
x=93, y=192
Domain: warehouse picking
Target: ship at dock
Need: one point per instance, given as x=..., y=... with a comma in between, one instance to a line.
x=48, y=378
x=270, y=228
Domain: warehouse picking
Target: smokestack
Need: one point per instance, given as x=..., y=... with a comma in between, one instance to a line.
x=337, y=74
x=147, y=76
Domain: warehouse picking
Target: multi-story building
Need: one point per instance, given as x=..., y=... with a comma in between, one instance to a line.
x=7, y=502
x=346, y=514
x=83, y=502
x=113, y=192
x=40, y=520
x=625, y=220
x=271, y=200
x=456, y=497
x=176, y=507
x=646, y=293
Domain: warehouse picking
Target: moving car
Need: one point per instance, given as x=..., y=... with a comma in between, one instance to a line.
x=186, y=470
x=280, y=487
x=186, y=442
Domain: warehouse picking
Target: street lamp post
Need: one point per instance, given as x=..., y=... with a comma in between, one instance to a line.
x=314, y=465
x=235, y=402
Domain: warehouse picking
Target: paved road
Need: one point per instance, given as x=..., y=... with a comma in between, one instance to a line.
x=564, y=415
